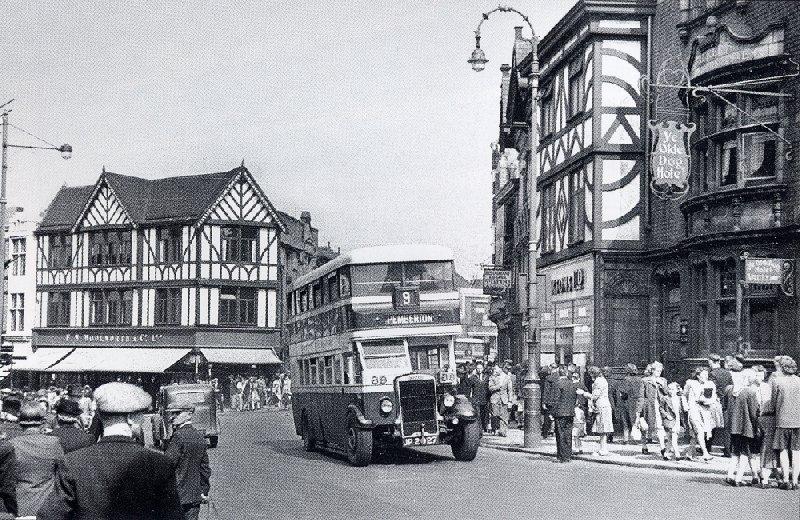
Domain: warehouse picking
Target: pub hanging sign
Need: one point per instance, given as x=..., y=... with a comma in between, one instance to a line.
x=669, y=158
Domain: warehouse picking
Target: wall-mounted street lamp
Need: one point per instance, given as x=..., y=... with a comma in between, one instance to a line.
x=532, y=392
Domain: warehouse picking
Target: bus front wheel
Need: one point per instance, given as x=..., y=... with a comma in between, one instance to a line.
x=309, y=442
x=359, y=444
x=466, y=442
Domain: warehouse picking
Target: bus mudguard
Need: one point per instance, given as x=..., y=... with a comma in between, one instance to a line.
x=463, y=409
x=356, y=412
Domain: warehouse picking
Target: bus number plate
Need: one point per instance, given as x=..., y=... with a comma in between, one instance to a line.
x=379, y=380
x=420, y=441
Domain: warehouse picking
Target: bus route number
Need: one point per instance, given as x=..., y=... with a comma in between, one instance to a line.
x=406, y=297
x=379, y=380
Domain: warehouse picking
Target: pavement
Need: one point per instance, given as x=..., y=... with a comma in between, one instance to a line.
x=260, y=471
x=629, y=455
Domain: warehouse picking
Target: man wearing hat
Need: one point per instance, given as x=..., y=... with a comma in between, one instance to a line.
x=117, y=477
x=36, y=457
x=68, y=430
x=188, y=453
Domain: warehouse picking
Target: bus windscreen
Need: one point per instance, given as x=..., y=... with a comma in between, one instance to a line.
x=373, y=279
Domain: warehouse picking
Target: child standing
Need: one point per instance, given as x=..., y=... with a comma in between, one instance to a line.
x=578, y=430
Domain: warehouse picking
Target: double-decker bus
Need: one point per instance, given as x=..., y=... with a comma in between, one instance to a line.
x=371, y=337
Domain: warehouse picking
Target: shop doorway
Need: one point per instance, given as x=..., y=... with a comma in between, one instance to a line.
x=564, y=345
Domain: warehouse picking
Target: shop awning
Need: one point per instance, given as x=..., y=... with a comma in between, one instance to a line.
x=42, y=359
x=241, y=356
x=119, y=359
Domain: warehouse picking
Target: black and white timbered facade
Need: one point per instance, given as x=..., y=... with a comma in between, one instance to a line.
x=178, y=263
x=592, y=187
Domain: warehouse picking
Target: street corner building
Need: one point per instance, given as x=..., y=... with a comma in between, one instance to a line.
x=625, y=276
x=138, y=277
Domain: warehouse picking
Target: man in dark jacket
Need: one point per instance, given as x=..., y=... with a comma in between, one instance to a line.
x=548, y=377
x=187, y=451
x=722, y=378
x=68, y=431
x=479, y=393
x=117, y=477
x=564, y=397
x=8, y=480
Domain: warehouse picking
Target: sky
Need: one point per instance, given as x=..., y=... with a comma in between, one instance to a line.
x=364, y=113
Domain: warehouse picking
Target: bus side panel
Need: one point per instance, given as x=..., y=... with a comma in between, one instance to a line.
x=334, y=413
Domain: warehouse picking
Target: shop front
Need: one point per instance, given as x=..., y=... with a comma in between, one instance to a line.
x=567, y=311
x=145, y=356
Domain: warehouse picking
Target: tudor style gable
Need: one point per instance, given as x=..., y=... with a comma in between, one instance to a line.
x=103, y=208
x=243, y=201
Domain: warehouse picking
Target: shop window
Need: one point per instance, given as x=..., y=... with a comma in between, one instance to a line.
x=58, y=309
x=60, y=251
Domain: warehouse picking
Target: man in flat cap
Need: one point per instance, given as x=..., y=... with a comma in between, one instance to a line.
x=188, y=453
x=117, y=477
x=68, y=430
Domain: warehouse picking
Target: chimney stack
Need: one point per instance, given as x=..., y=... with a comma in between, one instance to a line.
x=518, y=33
x=305, y=217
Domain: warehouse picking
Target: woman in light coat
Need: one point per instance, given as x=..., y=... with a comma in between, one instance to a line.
x=601, y=404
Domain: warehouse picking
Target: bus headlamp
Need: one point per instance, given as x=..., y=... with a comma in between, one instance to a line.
x=386, y=406
x=449, y=400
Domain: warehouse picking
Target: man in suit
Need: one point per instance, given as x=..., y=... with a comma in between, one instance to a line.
x=68, y=430
x=564, y=396
x=117, y=477
x=188, y=453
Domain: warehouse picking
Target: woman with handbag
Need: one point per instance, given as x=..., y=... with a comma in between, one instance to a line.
x=699, y=394
x=746, y=437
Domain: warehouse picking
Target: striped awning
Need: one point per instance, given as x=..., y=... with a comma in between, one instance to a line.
x=120, y=359
x=42, y=359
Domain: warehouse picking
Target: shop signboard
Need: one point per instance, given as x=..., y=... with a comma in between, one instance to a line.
x=569, y=281
x=496, y=281
x=669, y=158
x=771, y=271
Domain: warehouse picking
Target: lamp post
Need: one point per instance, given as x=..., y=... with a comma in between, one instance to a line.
x=66, y=153
x=532, y=390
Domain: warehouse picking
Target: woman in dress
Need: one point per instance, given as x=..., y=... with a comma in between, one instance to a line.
x=603, y=413
x=699, y=394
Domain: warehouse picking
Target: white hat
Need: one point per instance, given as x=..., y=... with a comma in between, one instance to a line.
x=121, y=398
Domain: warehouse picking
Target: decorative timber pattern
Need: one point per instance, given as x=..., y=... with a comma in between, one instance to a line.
x=105, y=209
x=241, y=202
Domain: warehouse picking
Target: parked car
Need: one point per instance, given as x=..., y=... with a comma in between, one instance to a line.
x=177, y=397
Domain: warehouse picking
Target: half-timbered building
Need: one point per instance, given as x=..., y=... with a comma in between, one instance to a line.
x=141, y=275
x=592, y=281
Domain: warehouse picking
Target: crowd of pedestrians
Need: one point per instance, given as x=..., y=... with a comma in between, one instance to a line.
x=254, y=393
x=78, y=453
x=494, y=392
x=752, y=416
